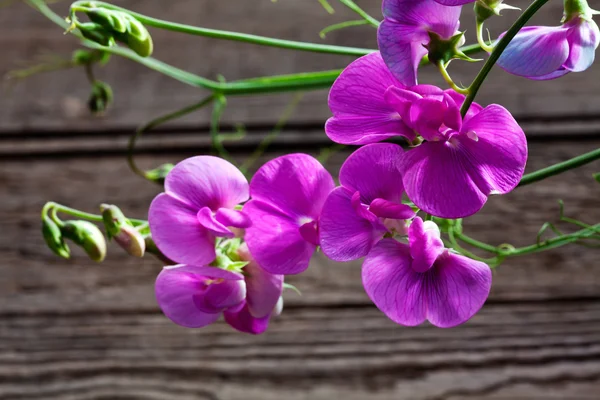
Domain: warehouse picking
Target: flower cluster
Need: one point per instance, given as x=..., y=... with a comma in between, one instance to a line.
x=232, y=242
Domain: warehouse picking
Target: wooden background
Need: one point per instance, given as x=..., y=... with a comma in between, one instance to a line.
x=78, y=330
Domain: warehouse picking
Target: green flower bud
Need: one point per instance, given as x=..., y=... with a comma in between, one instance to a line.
x=84, y=57
x=96, y=33
x=88, y=236
x=112, y=21
x=54, y=238
x=137, y=37
x=159, y=174
x=120, y=229
x=100, y=98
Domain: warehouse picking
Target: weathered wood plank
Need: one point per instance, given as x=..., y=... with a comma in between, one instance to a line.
x=57, y=100
x=34, y=280
x=528, y=351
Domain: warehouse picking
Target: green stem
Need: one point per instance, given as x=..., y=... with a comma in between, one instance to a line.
x=354, y=7
x=153, y=124
x=215, y=122
x=235, y=36
x=554, y=242
x=498, y=49
x=476, y=243
x=52, y=206
x=559, y=168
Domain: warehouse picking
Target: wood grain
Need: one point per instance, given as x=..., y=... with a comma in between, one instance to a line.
x=56, y=101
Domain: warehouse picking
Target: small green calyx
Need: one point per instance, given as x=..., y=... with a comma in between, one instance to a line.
x=159, y=174
x=108, y=25
x=54, y=238
x=441, y=51
x=485, y=9
x=577, y=9
x=100, y=98
x=88, y=236
x=120, y=229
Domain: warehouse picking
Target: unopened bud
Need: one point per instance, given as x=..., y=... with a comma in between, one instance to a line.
x=88, y=236
x=122, y=231
x=100, y=98
x=85, y=57
x=159, y=174
x=137, y=37
x=54, y=238
x=112, y=21
x=96, y=33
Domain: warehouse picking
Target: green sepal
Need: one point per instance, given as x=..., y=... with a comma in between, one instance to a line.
x=88, y=236
x=159, y=174
x=444, y=50
x=485, y=9
x=54, y=238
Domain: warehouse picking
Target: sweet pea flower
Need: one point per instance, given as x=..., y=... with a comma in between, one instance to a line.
x=196, y=208
x=367, y=205
x=461, y=162
x=421, y=280
x=287, y=196
x=546, y=52
x=195, y=297
x=406, y=31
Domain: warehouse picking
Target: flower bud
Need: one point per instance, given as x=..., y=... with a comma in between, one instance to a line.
x=120, y=229
x=54, y=238
x=112, y=21
x=159, y=174
x=85, y=57
x=137, y=37
x=100, y=98
x=96, y=33
x=88, y=236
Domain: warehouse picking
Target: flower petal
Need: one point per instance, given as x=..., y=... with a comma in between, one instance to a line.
x=426, y=15
x=374, y=171
x=499, y=154
x=455, y=2
x=388, y=209
x=427, y=117
x=234, y=218
x=583, y=42
x=175, y=290
x=425, y=244
x=177, y=232
x=295, y=184
x=263, y=288
x=344, y=235
x=391, y=283
x=209, y=222
x=536, y=51
x=456, y=288
x=402, y=56
x=206, y=181
x=243, y=321
x=459, y=99
x=360, y=113
x=275, y=241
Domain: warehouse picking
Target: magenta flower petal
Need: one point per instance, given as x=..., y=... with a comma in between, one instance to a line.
x=206, y=181
x=536, y=51
x=425, y=244
x=455, y=2
x=263, y=288
x=241, y=319
x=459, y=99
x=427, y=116
x=374, y=171
x=583, y=40
x=388, y=209
x=456, y=288
x=178, y=287
x=344, y=235
x=448, y=294
x=178, y=233
x=233, y=218
x=208, y=221
x=275, y=241
x=424, y=15
x=296, y=184
x=361, y=115
x=391, y=283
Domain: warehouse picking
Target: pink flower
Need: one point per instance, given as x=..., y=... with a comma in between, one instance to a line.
x=461, y=161
x=196, y=208
x=287, y=196
x=421, y=280
x=405, y=33
x=368, y=205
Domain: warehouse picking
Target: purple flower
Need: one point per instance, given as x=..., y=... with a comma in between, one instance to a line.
x=287, y=196
x=368, y=205
x=422, y=280
x=455, y=2
x=461, y=162
x=195, y=297
x=405, y=33
x=545, y=52
x=197, y=207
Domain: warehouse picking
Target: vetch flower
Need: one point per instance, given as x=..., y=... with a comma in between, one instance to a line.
x=407, y=30
x=461, y=162
x=195, y=297
x=196, y=208
x=367, y=205
x=546, y=52
x=421, y=280
x=287, y=196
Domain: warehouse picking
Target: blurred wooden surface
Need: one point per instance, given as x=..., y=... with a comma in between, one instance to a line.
x=78, y=330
